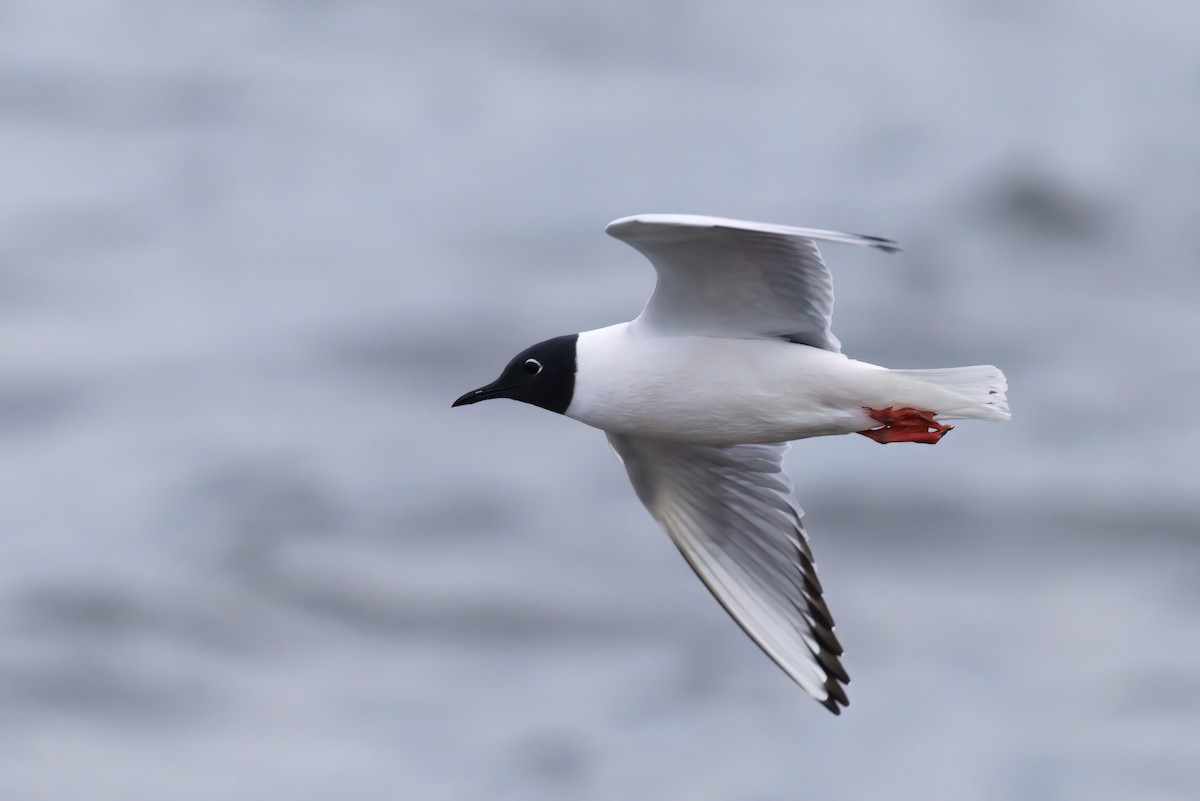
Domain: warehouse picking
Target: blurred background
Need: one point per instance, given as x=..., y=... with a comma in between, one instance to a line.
x=251, y=251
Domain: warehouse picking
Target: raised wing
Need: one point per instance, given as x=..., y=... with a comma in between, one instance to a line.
x=730, y=512
x=731, y=278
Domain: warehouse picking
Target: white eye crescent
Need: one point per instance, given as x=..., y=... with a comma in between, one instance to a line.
x=533, y=366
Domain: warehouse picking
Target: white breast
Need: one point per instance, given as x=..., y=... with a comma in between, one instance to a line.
x=718, y=391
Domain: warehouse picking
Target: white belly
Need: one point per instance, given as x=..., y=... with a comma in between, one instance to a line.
x=721, y=391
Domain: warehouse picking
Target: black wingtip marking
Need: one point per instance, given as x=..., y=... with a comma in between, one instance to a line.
x=833, y=668
x=832, y=702
x=821, y=629
x=812, y=585
x=828, y=641
x=880, y=243
x=837, y=692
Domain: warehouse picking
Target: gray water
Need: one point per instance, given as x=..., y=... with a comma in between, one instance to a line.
x=250, y=251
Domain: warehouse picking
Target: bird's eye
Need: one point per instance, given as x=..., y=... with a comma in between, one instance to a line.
x=533, y=366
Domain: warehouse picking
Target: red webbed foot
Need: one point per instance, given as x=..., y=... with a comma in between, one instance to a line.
x=905, y=425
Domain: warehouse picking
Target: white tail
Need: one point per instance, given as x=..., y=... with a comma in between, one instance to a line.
x=982, y=385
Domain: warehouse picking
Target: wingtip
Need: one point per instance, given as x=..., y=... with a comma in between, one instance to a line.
x=659, y=225
x=835, y=705
x=835, y=692
x=880, y=243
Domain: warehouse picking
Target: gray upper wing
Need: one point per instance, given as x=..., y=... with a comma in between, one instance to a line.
x=730, y=512
x=722, y=277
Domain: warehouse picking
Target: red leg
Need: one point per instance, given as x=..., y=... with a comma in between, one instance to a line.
x=905, y=425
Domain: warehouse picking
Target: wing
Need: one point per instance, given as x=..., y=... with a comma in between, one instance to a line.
x=730, y=512
x=719, y=277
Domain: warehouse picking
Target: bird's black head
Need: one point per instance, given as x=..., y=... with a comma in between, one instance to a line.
x=543, y=375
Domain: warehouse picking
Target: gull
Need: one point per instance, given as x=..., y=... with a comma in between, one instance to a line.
x=732, y=358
